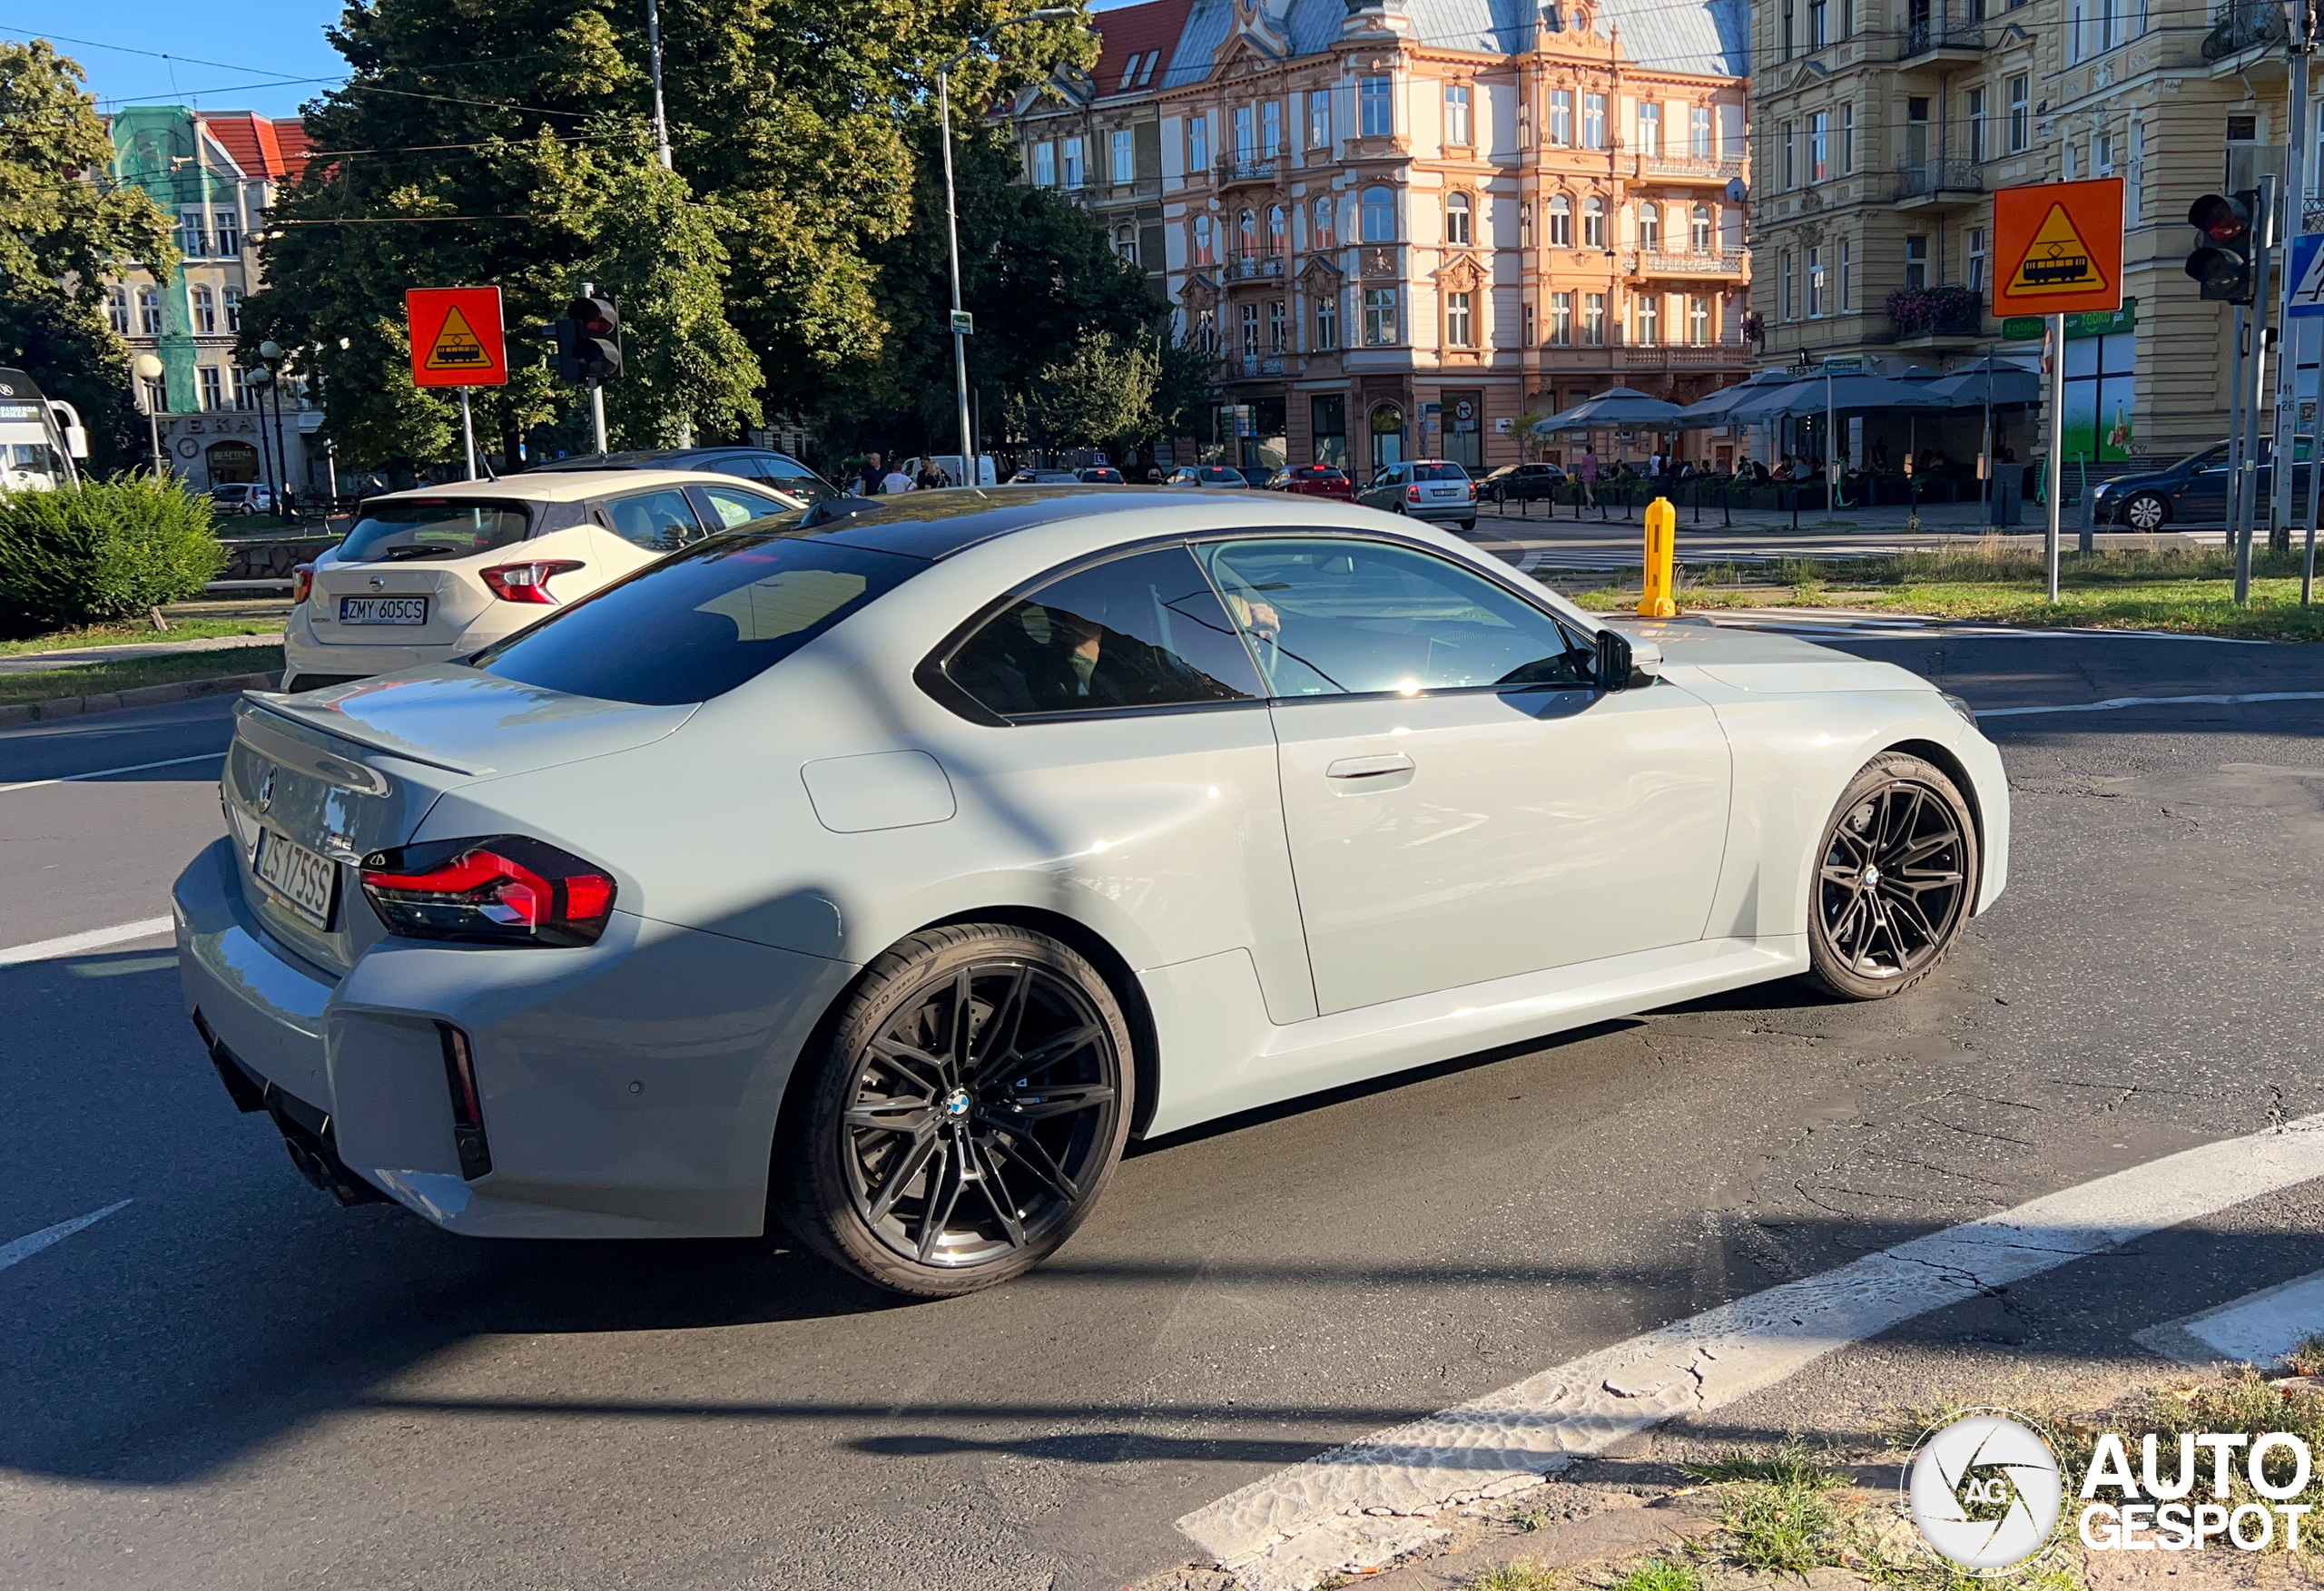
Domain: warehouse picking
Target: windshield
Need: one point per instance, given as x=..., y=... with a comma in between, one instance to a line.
x=437, y=528
x=32, y=464
x=697, y=624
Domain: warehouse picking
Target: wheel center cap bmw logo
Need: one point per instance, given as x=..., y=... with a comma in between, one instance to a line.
x=956, y=1104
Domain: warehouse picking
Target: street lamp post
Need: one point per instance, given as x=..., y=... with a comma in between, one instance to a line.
x=255, y=384
x=148, y=370
x=274, y=353
x=2300, y=49
x=953, y=223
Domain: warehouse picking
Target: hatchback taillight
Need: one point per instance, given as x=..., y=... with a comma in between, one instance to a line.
x=303, y=582
x=1412, y=494
x=1472, y=491
x=502, y=891
x=527, y=581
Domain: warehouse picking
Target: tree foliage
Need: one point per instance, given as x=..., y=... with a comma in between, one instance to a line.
x=103, y=551
x=1101, y=391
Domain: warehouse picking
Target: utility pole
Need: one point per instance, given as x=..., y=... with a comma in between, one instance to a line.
x=2248, y=510
x=654, y=52
x=2057, y=418
x=2283, y=477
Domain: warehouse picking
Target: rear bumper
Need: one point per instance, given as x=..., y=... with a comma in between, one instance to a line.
x=303, y=653
x=629, y=1089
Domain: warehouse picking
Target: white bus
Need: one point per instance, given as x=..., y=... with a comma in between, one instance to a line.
x=40, y=437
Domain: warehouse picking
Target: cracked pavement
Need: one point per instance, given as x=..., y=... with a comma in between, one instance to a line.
x=232, y=1384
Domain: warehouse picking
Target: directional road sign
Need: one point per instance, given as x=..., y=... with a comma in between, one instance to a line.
x=2307, y=276
x=455, y=340
x=2058, y=248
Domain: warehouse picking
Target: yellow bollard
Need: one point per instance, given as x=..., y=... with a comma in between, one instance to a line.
x=1662, y=552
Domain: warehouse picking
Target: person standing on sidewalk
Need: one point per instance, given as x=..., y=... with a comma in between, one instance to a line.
x=1589, y=477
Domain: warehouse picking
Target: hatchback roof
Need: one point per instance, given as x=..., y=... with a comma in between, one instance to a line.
x=940, y=522
x=562, y=485
x=645, y=457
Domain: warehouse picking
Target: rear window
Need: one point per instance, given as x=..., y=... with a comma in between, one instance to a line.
x=699, y=623
x=445, y=528
x=1219, y=472
x=1439, y=471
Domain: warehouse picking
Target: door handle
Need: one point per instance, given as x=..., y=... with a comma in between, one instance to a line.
x=1369, y=766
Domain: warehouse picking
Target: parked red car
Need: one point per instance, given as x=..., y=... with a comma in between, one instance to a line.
x=1314, y=480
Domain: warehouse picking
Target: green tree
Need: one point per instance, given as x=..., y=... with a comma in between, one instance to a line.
x=1101, y=391
x=61, y=234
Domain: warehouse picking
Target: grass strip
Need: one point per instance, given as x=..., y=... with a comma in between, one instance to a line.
x=96, y=678
x=139, y=633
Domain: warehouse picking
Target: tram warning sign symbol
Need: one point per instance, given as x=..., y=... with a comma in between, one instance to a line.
x=456, y=337
x=2060, y=247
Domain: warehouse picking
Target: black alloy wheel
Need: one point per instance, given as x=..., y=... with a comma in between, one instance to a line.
x=1896, y=877
x=971, y=1108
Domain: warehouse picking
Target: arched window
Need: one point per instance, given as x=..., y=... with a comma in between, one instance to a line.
x=1560, y=222
x=1205, y=241
x=1698, y=229
x=1525, y=226
x=1456, y=220
x=1279, y=233
x=1379, y=215
x=1326, y=234
x=1649, y=227
x=1594, y=222
x=1246, y=235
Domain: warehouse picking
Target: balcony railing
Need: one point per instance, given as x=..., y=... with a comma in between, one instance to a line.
x=2238, y=25
x=1704, y=168
x=1929, y=178
x=1712, y=262
x=1247, y=170
x=1249, y=267
x=1253, y=365
x=1927, y=34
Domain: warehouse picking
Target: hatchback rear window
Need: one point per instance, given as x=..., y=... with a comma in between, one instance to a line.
x=444, y=528
x=699, y=623
x=1439, y=471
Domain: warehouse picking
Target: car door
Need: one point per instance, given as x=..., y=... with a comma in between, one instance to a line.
x=657, y=520
x=1461, y=803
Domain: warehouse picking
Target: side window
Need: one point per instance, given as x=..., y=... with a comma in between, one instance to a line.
x=659, y=521
x=1329, y=618
x=730, y=506
x=1145, y=630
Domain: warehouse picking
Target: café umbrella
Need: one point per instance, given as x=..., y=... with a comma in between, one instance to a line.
x=1718, y=408
x=1616, y=405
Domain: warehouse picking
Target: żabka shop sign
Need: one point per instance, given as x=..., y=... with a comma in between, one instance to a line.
x=1986, y=1491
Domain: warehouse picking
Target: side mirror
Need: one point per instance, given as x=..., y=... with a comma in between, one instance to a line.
x=1614, y=656
x=76, y=441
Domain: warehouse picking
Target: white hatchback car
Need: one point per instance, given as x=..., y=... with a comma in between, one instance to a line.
x=890, y=868
x=440, y=571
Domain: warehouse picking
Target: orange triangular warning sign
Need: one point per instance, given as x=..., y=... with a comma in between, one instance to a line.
x=457, y=345
x=2056, y=262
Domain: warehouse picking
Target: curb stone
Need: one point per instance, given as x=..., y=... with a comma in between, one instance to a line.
x=138, y=697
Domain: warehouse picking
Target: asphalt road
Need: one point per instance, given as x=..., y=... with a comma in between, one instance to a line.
x=229, y=1382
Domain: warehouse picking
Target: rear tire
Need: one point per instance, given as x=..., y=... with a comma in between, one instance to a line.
x=1469, y=523
x=2146, y=512
x=1896, y=873
x=961, y=1115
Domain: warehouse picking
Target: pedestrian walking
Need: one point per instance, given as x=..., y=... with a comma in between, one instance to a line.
x=1589, y=477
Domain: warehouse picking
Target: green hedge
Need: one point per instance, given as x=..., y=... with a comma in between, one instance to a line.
x=106, y=550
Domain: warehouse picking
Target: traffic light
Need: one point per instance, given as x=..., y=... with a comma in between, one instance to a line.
x=589, y=340
x=2221, y=260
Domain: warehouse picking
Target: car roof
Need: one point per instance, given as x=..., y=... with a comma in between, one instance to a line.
x=564, y=486
x=938, y=522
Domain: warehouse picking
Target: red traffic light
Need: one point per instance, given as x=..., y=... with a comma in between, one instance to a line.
x=2220, y=219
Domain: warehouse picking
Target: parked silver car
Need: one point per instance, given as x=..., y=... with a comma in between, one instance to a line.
x=1425, y=488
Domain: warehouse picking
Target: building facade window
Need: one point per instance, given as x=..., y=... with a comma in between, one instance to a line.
x=1271, y=129
x=193, y=237
x=2021, y=113
x=1325, y=224
x=1327, y=322
x=1197, y=143
x=1204, y=241
x=1460, y=326
x=226, y=231
x=1593, y=121
x=244, y=398
x=1327, y=416
x=1207, y=330
x=1457, y=231
x=1973, y=263
x=1278, y=325
x=1594, y=222
x=1250, y=331
x=1072, y=162
x=1562, y=117
x=1698, y=321
x=1790, y=159
x=1456, y=115
x=1916, y=261
x=1319, y=119
x=1560, y=222
x=1847, y=139
x=1525, y=226
x=1815, y=284
x=1820, y=147
x=1525, y=127
x=1788, y=303
x=1375, y=106
x=1379, y=215
x=1847, y=299
x=1975, y=104
x=1122, y=151
x=1649, y=129
x=1562, y=320
x=117, y=309
x=1593, y=319
x=1817, y=38
x=1247, y=137
x=1525, y=324
x=1647, y=314
x=148, y=311
x=1278, y=232
x=1126, y=243
x=1246, y=236
x=1698, y=229
x=2134, y=184
x=1045, y=165
x=1649, y=227
x=1379, y=317
x=1785, y=34
x=205, y=310
x=1699, y=134
x=213, y=388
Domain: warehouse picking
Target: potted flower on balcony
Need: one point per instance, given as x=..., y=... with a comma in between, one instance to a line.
x=1936, y=311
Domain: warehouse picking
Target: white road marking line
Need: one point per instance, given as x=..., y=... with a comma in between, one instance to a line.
x=2259, y=1328
x=109, y=772
x=2115, y=703
x=95, y=940
x=24, y=1248
x=1360, y=1505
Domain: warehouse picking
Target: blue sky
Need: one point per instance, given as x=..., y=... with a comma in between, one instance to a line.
x=151, y=52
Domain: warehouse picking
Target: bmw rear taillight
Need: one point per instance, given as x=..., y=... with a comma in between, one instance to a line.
x=1412, y=494
x=527, y=581
x=502, y=891
x=302, y=583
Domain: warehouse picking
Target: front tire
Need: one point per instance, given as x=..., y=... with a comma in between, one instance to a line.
x=2147, y=512
x=1896, y=873
x=963, y=1113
